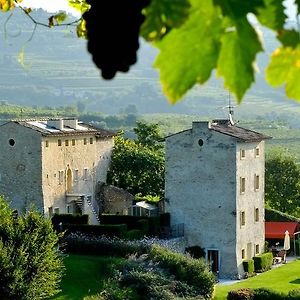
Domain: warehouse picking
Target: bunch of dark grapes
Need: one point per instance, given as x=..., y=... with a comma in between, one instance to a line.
x=113, y=33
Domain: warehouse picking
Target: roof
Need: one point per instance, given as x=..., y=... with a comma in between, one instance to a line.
x=225, y=127
x=276, y=230
x=68, y=127
x=242, y=134
x=146, y=205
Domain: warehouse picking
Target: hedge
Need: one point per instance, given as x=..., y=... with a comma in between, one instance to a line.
x=263, y=262
x=116, y=230
x=249, y=266
x=143, y=225
x=256, y=294
x=134, y=234
x=68, y=219
x=132, y=222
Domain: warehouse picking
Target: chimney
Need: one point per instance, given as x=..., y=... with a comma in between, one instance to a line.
x=58, y=124
x=72, y=123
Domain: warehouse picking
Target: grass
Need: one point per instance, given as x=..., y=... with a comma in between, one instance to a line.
x=282, y=279
x=85, y=275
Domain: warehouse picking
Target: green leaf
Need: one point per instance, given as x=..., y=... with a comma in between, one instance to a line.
x=240, y=44
x=272, y=14
x=297, y=2
x=161, y=16
x=189, y=54
x=81, y=29
x=289, y=38
x=60, y=17
x=284, y=68
x=79, y=5
x=238, y=9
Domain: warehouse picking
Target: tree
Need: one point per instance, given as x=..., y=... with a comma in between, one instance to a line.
x=137, y=167
x=282, y=183
x=194, y=39
x=148, y=135
x=30, y=264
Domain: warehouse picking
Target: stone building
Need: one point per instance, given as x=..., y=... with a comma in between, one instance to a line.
x=215, y=186
x=53, y=165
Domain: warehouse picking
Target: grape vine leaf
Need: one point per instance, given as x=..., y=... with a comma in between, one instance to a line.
x=284, y=68
x=81, y=29
x=272, y=14
x=161, y=16
x=298, y=5
x=6, y=5
x=289, y=37
x=79, y=5
x=236, y=9
x=239, y=46
x=189, y=53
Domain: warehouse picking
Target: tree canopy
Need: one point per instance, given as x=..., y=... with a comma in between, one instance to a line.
x=282, y=183
x=194, y=39
x=138, y=165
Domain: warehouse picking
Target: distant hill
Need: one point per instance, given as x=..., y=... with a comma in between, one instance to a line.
x=58, y=71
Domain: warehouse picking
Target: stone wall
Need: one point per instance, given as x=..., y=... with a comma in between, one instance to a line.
x=21, y=167
x=114, y=200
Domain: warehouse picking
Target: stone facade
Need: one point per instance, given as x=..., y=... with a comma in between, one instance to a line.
x=211, y=173
x=54, y=165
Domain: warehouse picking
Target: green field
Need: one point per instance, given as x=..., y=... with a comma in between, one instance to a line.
x=282, y=279
x=84, y=275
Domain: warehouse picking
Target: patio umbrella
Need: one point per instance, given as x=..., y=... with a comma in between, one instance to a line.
x=286, y=244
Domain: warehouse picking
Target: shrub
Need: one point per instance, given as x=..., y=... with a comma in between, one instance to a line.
x=165, y=220
x=293, y=295
x=143, y=225
x=102, y=245
x=195, y=251
x=241, y=294
x=30, y=265
x=263, y=262
x=134, y=234
x=192, y=271
x=68, y=219
x=267, y=294
x=118, y=230
x=249, y=266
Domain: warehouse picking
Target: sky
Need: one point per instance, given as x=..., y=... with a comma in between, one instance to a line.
x=56, y=5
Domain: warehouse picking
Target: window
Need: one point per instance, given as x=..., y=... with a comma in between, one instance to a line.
x=242, y=153
x=257, y=152
x=256, y=182
x=85, y=173
x=69, y=209
x=47, y=143
x=56, y=210
x=242, y=185
x=67, y=142
x=12, y=142
x=91, y=140
x=257, y=249
x=243, y=253
x=73, y=142
x=84, y=141
x=256, y=215
x=59, y=142
x=76, y=175
x=50, y=211
x=243, y=219
x=60, y=177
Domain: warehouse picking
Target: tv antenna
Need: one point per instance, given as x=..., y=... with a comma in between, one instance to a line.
x=230, y=110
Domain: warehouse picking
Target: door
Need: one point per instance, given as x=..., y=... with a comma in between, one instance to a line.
x=213, y=260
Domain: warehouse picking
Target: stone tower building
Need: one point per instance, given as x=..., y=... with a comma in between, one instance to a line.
x=53, y=165
x=215, y=186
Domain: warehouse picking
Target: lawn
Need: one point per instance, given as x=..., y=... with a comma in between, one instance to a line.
x=84, y=275
x=282, y=279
